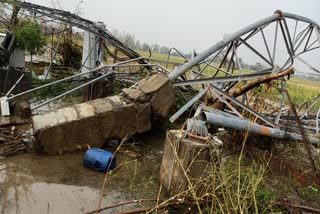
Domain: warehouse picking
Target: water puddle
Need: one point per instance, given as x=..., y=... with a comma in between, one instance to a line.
x=48, y=198
x=23, y=191
x=33, y=183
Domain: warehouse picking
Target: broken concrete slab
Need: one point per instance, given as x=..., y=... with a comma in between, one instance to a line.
x=156, y=90
x=153, y=84
x=93, y=122
x=143, y=118
x=136, y=95
x=163, y=102
x=87, y=123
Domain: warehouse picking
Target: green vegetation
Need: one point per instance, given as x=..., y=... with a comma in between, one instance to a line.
x=70, y=52
x=52, y=91
x=29, y=37
x=303, y=90
x=237, y=188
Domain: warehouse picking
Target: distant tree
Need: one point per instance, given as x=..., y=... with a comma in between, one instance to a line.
x=240, y=61
x=257, y=67
x=145, y=47
x=164, y=50
x=137, y=45
x=128, y=39
x=155, y=48
x=188, y=55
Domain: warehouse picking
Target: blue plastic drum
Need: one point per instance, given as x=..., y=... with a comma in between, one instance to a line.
x=99, y=159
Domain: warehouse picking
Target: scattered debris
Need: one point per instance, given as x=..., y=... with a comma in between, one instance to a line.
x=214, y=88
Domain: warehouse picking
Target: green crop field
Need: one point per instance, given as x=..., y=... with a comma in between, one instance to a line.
x=302, y=90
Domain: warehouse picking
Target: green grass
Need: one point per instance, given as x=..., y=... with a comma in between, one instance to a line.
x=303, y=90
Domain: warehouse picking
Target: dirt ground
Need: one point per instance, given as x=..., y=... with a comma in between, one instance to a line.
x=32, y=183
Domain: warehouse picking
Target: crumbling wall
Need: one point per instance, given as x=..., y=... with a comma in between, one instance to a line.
x=91, y=123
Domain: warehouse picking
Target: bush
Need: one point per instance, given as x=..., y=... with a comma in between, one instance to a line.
x=29, y=37
x=70, y=52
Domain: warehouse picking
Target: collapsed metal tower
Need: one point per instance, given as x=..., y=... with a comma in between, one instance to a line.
x=219, y=70
x=224, y=80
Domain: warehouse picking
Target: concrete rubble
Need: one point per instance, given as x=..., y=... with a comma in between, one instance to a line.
x=94, y=122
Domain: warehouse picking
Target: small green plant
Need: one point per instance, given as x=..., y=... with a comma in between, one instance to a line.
x=29, y=37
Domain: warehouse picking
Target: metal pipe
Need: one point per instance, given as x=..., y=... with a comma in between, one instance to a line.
x=11, y=89
x=237, y=102
x=181, y=70
x=275, y=42
x=169, y=55
x=300, y=18
x=188, y=105
x=255, y=75
x=71, y=77
x=54, y=56
x=244, y=125
x=55, y=82
x=317, y=122
x=307, y=64
x=74, y=89
x=315, y=100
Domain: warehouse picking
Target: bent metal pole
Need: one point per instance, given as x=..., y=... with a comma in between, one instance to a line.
x=205, y=54
x=246, y=125
x=219, y=45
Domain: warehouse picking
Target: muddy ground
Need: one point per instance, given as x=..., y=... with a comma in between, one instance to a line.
x=33, y=183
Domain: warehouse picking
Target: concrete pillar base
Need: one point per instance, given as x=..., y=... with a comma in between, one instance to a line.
x=183, y=158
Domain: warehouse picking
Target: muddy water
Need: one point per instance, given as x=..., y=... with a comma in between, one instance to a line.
x=32, y=183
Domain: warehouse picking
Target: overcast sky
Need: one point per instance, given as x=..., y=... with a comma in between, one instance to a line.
x=184, y=24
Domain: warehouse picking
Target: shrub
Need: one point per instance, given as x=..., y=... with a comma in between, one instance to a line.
x=29, y=37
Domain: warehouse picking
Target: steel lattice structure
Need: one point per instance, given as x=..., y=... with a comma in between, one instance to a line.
x=227, y=74
x=38, y=11
x=219, y=68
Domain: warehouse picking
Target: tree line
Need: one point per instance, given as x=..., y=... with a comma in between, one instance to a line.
x=130, y=40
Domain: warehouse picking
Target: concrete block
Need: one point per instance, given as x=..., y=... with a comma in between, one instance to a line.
x=124, y=120
x=44, y=121
x=153, y=84
x=136, y=95
x=84, y=110
x=113, y=117
x=163, y=93
x=163, y=102
x=183, y=156
x=101, y=105
x=143, y=121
